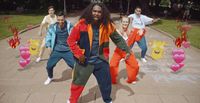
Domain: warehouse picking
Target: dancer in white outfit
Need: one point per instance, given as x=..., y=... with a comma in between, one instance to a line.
x=47, y=21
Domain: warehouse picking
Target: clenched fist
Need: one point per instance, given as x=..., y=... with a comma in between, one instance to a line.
x=81, y=59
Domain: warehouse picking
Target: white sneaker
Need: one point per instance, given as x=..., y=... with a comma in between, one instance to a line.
x=48, y=81
x=38, y=59
x=68, y=101
x=122, y=60
x=144, y=60
x=134, y=82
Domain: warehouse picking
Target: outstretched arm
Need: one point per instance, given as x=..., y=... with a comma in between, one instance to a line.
x=148, y=20
x=40, y=29
x=119, y=41
x=155, y=20
x=42, y=26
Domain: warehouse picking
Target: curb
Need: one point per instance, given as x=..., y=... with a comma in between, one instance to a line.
x=172, y=37
x=163, y=32
x=27, y=29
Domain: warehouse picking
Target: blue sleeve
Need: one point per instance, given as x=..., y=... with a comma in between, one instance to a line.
x=70, y=27
x=48, y=37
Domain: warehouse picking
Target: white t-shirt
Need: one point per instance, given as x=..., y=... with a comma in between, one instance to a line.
x=139, y=22
x=48, y=20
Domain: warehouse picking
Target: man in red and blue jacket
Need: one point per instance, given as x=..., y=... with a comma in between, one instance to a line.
x=89, y=42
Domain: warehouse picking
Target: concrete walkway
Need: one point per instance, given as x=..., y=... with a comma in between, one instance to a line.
x=157, y=84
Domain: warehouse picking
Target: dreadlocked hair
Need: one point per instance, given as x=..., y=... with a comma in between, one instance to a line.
x=87, y=14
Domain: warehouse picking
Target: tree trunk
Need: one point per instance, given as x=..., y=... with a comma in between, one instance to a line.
x=128, y=8
x=65, y=11
x=145, y=6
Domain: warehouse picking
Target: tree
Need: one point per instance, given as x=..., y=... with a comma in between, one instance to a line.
x=145, y=6
x=128, y=8
x=65, y=11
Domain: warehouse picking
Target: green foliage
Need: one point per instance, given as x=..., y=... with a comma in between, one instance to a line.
x=20, y=21
x=169, y=26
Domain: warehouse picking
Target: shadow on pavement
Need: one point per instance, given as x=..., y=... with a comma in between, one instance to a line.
x=66, y=75
x=119, y=85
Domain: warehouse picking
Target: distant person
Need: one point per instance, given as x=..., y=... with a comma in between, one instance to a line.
x=138, y=23
x=47, y=21
x=186, y=14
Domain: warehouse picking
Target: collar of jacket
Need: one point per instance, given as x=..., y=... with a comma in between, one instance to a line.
x=68, y=26
x=104, y=32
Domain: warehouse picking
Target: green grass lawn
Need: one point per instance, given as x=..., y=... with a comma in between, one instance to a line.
x=20, y=21
x=170, y=27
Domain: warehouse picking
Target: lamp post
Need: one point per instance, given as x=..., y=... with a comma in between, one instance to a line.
x=127, y=12
x=65, y=11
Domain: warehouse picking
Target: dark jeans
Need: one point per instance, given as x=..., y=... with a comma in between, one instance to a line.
x=55, y=57
x=142, y=44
